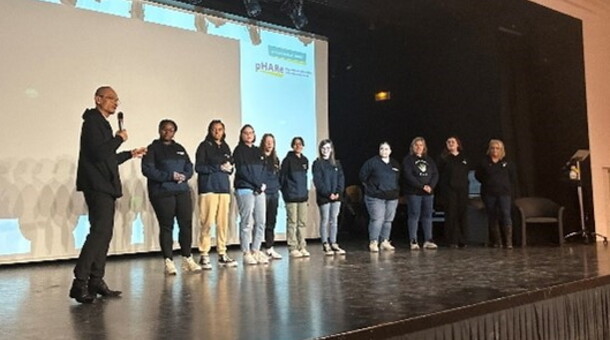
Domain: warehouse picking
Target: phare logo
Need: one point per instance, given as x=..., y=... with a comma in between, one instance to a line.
x=270, y=69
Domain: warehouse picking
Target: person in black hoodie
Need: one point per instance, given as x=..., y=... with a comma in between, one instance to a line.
x=293, y=181
x=214, y=165
x=272, y=195
x=453, y=191
x=421, y=176
x=250, y=193
x=330, y=183
x=98, y=178
x=497, y=177
x=380, y=177
x=168, y=168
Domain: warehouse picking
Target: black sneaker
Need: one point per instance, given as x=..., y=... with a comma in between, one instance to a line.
x=226, y=261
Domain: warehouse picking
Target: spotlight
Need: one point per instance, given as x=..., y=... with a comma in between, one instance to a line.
x=253, y=8
x=294, y=10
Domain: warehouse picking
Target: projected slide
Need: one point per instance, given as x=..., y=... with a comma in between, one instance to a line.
x=175, y=64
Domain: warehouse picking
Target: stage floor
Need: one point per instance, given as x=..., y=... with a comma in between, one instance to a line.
x=287, y=299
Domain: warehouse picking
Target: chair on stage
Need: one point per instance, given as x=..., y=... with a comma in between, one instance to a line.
x=353, y=211
x=538, y=210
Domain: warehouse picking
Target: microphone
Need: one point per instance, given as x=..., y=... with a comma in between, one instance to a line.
x=120, y=119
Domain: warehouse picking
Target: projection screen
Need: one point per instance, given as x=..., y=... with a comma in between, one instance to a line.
x=164, y=62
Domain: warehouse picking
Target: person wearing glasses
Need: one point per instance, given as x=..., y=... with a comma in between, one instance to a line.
x=98, y=178
x=330, y=182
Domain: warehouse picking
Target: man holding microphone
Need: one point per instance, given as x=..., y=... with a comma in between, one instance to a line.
x=98, y=179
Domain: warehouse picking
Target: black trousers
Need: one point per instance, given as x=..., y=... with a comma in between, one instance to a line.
x=456, y=216
x=272, y=201
x=178, y=206
x=91, y=262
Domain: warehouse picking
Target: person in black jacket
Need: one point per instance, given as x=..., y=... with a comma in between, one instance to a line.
x=293, y=181
x=272, y=195
x=453, y=184
x=250, y=193
x=98, y=178
x=214, y=165
x=168, y=168
x=380, y=177
x=330, y=183
x=421, y=176
x=497, y=177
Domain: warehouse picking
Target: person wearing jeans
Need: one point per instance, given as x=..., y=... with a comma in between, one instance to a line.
x=329, y=181
x=421, y=176
x=293, y=180
x=250, y=195
x=380, y=178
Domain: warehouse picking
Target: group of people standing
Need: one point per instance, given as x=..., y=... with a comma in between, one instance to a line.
x=259, y=177
x=422, y=178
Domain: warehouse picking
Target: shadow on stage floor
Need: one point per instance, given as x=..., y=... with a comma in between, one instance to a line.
x=361, y=292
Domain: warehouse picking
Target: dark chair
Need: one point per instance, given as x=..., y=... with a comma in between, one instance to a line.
x=539, y=210
x=353, y=218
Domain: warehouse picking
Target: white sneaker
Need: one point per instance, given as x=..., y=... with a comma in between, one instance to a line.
x=374, y=247
x=249, y=259
x=386, y=245
x=327, y=250
x=430, y=245
x=295, y=253
x=260, y=257
x=170, y=267
x=414, y=245
x=305, y=253
x=189, y=266
x=204, y=262
x=335, y=247
x=274, y=255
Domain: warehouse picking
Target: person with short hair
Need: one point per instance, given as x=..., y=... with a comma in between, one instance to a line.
x=168, y=168
x=98, y=178
x=214, y=165
x=293, y=180
x=330, y=182
x=380, y=177
x=421, y=176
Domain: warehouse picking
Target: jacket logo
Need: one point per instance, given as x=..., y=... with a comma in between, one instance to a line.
x=181, y=153
x=422, y=166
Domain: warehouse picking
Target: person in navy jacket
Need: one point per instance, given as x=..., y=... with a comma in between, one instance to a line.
x=272, y=193
x=420, y=178
x=250, y=193
x=330, y=182
x=168, y=168
x=380, y=177
x=214, y=165
x=293, y=181
x=497, y=177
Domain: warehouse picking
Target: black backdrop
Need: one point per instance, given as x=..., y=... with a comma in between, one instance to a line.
x=479, y=69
